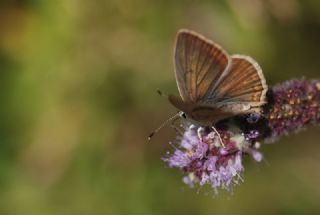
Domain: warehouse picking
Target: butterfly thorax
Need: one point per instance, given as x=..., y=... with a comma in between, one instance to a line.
x=202, y=114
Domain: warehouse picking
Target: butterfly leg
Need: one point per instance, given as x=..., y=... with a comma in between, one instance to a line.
x=200, y=131
x=215, y=130
x=176, y=127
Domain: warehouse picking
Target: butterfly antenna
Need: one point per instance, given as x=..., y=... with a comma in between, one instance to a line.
x=162, y=93
x=164, y=124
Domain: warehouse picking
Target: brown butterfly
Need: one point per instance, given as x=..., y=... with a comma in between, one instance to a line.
x=212, y=84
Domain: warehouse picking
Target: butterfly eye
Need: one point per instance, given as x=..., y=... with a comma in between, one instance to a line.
x=183, y=115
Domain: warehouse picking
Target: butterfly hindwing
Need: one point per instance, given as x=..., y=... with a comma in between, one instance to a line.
x=244, y=83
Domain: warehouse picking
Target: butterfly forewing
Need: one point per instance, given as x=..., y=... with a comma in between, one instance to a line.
x=199, y=63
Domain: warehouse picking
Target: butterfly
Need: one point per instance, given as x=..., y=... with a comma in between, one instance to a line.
x=212, y=84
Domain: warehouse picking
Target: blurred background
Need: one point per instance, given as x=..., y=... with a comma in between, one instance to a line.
x=78, y=84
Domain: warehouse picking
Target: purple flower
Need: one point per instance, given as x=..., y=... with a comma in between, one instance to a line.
x=178, y=159
x=293, y=105
x=256, y=155
x=189, y=140
x=253, y=134
x=204, y=161
x=200, y=150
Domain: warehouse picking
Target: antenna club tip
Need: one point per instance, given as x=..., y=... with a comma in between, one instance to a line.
x=162, y=125
x=150, y=136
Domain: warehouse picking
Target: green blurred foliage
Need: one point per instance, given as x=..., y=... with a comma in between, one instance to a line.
x=77, y=87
